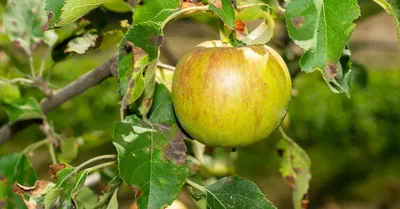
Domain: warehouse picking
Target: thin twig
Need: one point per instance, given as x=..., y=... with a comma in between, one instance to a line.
x=91, y=169
x=165, y=66
x=31, y=66
x=98, y=158
x=52, y=153
x=42, y=65
x=35, y=145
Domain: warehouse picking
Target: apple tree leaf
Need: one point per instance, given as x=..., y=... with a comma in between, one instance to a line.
x=162, y=111
x=236, y=192
x=22, y=109
x=151, y=159
x=226, y=13
x=393, y=8
x=322, y=28
x=64, y=12
x=24, y=21
x=155, y=10
x=9, y=92
x=14, y=168
x=81, y=44
x=295, y=169
x=119, y=6
x=109, y=192
x=33, y=196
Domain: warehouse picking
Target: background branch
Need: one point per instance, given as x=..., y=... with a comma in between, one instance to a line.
x=92, y=78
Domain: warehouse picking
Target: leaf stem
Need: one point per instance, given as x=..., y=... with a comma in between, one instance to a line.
x=195, y=185
x=52, y=153
x=31, y=66
x=35, y=145
x=42, y=65
x=103, y=165
x=182, y=11
x=98, y=158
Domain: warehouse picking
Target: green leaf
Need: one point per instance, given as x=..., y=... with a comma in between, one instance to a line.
x=64, y=12
x=81, y=44
x=236, y=192
x=111, y=39
x=162, y=111
x=22, y=109
x=67, y=187
x=142, y=38
x=14, y=168
x=69, y=150
x=24, y=21
x=152, y=160
x=86, y=198
x=9, y=92
x=119, y=6
x=393, y=8
x=226, y=13
x=146, y=99
x=113, y=204
x=112, y=188
x=295, y=169
x=155, y=10
x=264, y=32
x=322, y=28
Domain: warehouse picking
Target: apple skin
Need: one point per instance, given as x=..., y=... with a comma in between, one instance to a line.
x=231, y=96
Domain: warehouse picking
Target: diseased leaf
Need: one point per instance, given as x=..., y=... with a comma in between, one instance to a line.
x=146, y=100
x=154, y=10
x=393, y=8
x=141, y=38
x=226, y=13
x=113, y=204
x=322, y=28
x=24, y=21
x=86, y=199
x=151, y=159
x=33, y=196
x=22, y=109
x=295, y=169
x=14, y=168
x=64, y=12
x=81, y=44
x=236, y=192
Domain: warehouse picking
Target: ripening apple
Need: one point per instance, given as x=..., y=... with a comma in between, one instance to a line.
x=231, y=96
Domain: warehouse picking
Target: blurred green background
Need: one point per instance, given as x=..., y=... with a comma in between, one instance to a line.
x=354, y=144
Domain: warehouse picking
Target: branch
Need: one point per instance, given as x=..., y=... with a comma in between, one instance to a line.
x=92, y=78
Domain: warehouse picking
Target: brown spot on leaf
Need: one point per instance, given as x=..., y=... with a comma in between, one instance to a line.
x=36, y=190
x=136, y=190
x=229, y=180
x=104, y=190
x=305, y=201
x=176, y=149
x=290, y=180
x=141, y=3
x=298, y=22
x=147, y=102
x=137, y=51
x=240, y=28
x=330, y=70
x=53, y=169
x=298, y=170
x=156, y=40
x=280, y=152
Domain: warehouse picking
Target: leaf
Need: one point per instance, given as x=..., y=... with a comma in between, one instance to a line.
x=162, y=111
x=111, y=39
x=33, y=196
x=14, y=167
x=155, y=10
x=22, y=109
x=236, y=192
x=81, y=44
x=113, y=204
x=119, y=6
x=393, y=8
x=24, y=21
x=50, y=37
x=151, y=159
x=69, y=150
x=86, y=198
x=322, y=28
x=295, y=169
x=9, y=92
x=67, y=186
x=226, y=13
x=146, y=99
x=108, y=192
x=141, y=38
x=64, y=12
x=264, y=32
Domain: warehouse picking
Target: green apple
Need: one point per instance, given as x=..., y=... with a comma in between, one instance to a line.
x=231, y=96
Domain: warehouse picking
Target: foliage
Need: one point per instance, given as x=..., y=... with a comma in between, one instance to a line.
x=45, y=42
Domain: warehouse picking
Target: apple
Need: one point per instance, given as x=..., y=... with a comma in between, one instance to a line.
x=228, y=96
